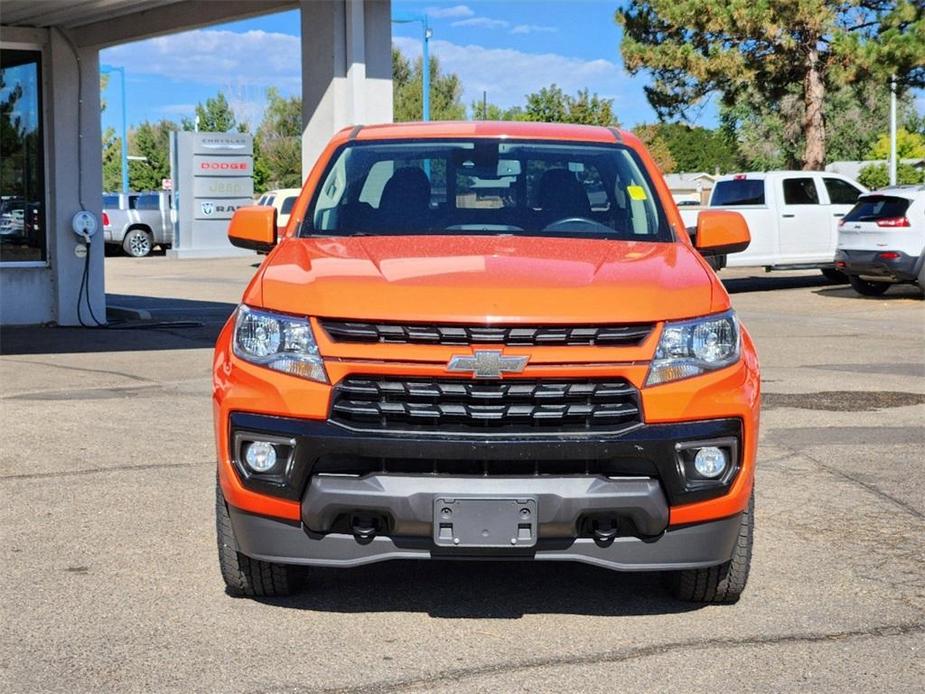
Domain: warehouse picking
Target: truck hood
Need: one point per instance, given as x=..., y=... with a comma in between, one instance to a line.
x=482, y=279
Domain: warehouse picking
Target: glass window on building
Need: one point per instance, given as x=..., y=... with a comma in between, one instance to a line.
x=22, y=164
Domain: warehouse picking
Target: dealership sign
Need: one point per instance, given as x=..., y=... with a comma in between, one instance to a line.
x=214, y=177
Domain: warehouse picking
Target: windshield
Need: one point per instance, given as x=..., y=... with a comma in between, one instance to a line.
x=487, y=186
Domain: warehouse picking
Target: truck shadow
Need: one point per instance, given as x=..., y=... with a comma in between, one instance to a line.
x=768, y=282
x=484, y=590
x=900, y=291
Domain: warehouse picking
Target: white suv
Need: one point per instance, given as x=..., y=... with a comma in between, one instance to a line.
x=881, y=241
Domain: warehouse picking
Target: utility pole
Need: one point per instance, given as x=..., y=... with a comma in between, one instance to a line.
x=893, y=152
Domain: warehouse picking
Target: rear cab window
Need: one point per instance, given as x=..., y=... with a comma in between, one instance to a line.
x=287, y=204
x=738, y=191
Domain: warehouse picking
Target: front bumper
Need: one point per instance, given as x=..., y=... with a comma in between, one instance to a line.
x=630, y=482
x=687, y=547
x=656, y=451
x=903, y=268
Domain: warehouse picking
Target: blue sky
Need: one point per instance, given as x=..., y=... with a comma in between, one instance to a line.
x=507, y=48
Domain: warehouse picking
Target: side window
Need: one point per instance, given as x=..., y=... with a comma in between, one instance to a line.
x=841, y=192
x=800, y=191
x=148, y=202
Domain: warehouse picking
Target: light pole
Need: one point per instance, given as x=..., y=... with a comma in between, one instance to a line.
x=893, y=152
x=108, y=69
x=406, y=18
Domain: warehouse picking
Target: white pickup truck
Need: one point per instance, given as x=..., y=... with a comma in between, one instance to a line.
x=792, y=216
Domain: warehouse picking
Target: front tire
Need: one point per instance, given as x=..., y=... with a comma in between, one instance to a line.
x=721, y=584
x=868, y=288
x=246, y=576
x=137, y=243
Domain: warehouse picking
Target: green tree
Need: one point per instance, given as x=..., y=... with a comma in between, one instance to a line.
x=651, y=137
x=112, y=160
x=699, y=149
x=278, y=143
x=445, y=90
x=877, y=176
x=770, y=136
x=552, y=105
x=215, y=116
x=772, y=50
x=489, y=111
x=151, y=141
x=908, y=146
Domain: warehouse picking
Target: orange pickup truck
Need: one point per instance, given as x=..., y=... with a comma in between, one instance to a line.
x=486, y=341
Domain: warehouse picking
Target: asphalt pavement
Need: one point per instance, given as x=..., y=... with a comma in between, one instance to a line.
x=110, y=579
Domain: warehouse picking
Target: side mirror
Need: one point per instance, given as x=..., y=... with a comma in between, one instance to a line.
x=254, y=228
x=720, y=232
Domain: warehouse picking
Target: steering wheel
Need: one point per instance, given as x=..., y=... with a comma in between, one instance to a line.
x=571, y=220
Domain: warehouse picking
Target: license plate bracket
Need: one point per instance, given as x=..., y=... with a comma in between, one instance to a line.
x=484, y=522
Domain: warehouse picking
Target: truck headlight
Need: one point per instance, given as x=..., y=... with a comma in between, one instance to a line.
x=278, y=342
x=690, y=348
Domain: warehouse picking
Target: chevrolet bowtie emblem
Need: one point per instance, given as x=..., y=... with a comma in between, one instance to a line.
x=487, y=364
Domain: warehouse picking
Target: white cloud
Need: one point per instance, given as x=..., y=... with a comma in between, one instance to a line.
x=507, y=75
x=532, y=28
x=177, y=109
x=482, y=23
x=453, y=12
x=216, y=57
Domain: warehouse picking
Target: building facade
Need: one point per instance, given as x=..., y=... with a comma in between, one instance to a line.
x=51, y=167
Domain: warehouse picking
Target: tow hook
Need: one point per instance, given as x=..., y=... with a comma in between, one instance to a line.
x=604, y=530
x=364, y=528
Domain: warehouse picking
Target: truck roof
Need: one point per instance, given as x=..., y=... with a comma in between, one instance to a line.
x=512, y=129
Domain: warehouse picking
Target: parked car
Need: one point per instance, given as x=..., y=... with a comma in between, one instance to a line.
x=506, y=371
x=283, y=200
x=881, y=241
x=792, y=216
x=138, y=222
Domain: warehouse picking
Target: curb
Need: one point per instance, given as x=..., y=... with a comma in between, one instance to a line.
x=125, y=313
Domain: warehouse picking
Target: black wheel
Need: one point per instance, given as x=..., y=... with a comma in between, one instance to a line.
x=868, y=288
x=246, y=576
x=835, y=276
x=137, y=243
x=723, y=583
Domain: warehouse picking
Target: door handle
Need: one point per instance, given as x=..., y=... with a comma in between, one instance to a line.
x=788, y=216
x=838, y=214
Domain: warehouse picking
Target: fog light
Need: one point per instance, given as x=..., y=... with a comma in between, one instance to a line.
x=710, y=462
x=260, y=456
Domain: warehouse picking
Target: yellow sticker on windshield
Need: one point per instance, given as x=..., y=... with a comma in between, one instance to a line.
x=636, y=192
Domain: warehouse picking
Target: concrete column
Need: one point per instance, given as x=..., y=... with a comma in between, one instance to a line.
x=75, y=180
x=346, y=69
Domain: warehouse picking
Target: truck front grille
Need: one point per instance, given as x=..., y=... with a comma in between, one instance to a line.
x=451, y=334
x=475, y=406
